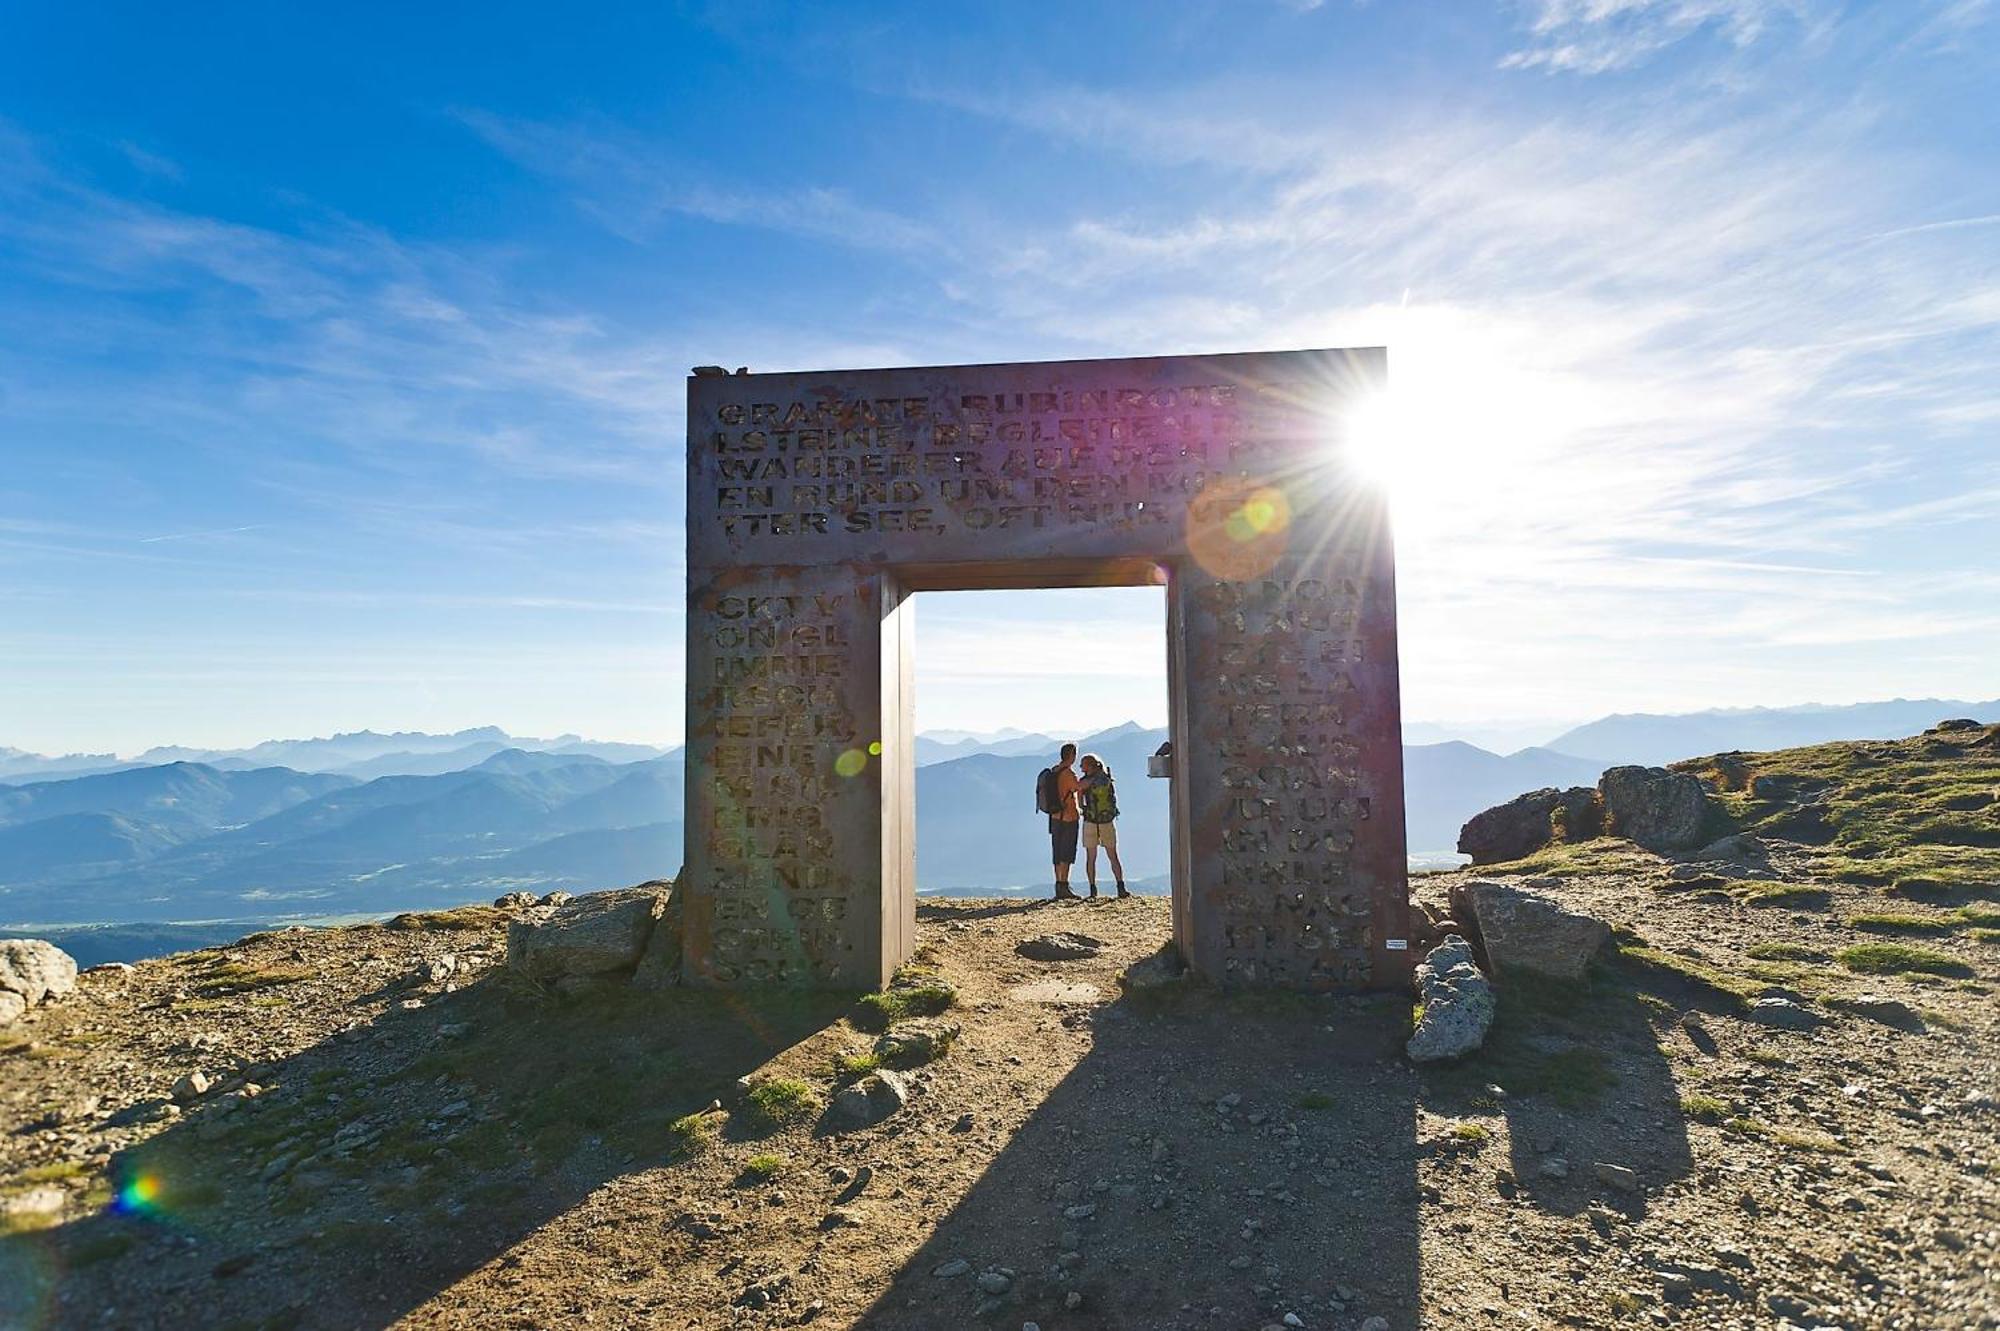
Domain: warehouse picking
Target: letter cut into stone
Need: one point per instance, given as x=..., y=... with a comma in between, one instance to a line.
x=593, y=935
x=1652, y=807
x=1523, y=931
x=1458, y=1004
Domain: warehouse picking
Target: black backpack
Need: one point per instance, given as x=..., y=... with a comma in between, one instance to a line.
x=1046, y=799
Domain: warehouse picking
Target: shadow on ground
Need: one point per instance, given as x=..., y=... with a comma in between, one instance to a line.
x=1212, y=1160
x=1578, y=1073
x=414, y=1149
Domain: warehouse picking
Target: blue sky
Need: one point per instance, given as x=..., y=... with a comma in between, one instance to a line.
x=341, y=350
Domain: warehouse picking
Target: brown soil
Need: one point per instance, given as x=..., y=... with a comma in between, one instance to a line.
x=471, y=1153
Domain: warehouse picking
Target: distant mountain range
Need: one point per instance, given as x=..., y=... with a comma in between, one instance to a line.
x=1653, y=740
x=372, y=823
x=363, y=754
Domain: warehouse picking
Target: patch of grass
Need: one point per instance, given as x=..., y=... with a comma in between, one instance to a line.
x=781, y=1101
x=232, y=977
x=1981, y=915
x=1601, y=855
x=763, y=1167
x=1788, y=896
x=1783, y=952
x=1786, y=1137
x=926, y=998
x=1704, y=1108
x=1314, y=1100
x=1470, y=1133
x=1620, y=1303
x=1732, y=992
x=464, y=917
x=1899, y=959
x=1988, y=936
x=49, y=1173
x=847, y=1067
x=691, y=1134
x=1881, y=923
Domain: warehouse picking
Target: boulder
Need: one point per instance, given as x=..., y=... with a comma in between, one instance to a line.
x=870, y=1100
x=910, y=1043
x=1888, y=1010
x=605, y=931
x=35, y=971
x=514, y=900
x=1526, y=823
x=1458, y=1004
x=1652, y=807
x=1059, y=947
x=12, y=1005
x=1523, y=931
x=660, y=968
x=1784, y=1013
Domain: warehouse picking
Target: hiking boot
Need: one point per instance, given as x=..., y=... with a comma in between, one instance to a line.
x=1064, y=894
x=1093, y=891
x=1122, y=893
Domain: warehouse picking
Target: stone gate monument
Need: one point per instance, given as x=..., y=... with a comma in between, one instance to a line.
x=819, y=503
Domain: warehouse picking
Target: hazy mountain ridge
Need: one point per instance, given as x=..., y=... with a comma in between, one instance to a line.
x=1652, y=739
x=192, y=841
x=363, y=754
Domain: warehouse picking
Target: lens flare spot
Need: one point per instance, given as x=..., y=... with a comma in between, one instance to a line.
x=1238, y=529
x=138, y=1195
x=850, y=763
x=875, y=748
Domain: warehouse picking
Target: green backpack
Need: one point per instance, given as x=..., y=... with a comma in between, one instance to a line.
x=1099, y=798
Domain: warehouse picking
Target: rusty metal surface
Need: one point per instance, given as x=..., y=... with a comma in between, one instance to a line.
x=816, y=500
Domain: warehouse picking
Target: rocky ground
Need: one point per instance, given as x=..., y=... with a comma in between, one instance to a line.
x=389, y=1128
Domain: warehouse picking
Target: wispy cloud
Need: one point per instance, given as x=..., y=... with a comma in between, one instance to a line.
x=629, y=185
x=202, y=535
x=1597, y=36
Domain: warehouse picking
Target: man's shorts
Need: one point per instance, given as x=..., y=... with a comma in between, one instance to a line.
x=1100, y=834
x=1062, y=836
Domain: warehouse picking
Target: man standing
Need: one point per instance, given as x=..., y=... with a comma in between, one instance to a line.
x=1057, y=797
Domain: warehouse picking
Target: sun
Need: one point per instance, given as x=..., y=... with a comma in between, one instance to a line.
x=1377, y=441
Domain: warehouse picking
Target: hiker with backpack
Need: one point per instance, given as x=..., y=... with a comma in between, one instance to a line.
x=1097, y=802
x=1055, y=795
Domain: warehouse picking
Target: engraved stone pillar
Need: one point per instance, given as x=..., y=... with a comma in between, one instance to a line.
x=818, y=502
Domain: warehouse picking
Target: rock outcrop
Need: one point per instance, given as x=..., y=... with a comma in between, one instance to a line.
x=1059, y=947
x=596, y=935
x=1526, y=823
x=1662, y=810
x=870, y=1100
x=32, y=972
x=1458, y=1004
x=1652, y=807
x=1523, y=931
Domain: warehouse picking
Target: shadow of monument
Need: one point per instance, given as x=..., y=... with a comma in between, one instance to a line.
x=932, y=912
x=1249, y=1154
x=392, y=1159
x=1578, y=1073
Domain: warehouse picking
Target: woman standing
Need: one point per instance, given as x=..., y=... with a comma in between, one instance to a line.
x=1097, y=799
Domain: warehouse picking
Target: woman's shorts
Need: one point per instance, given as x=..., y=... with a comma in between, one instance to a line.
x=1100, y=834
